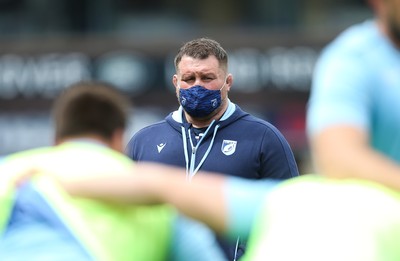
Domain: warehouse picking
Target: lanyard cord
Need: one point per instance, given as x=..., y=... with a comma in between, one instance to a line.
x=191, y=168
x=236, y=249
x=185, y=150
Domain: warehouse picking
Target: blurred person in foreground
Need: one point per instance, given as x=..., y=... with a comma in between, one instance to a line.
x=209, y=132
x=310, y=217
x=39, y=221
x=353, y=118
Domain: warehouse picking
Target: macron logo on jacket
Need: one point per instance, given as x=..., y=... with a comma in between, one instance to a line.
x=161, y=146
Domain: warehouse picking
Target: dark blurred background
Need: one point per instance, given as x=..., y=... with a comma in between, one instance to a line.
x=273, y=44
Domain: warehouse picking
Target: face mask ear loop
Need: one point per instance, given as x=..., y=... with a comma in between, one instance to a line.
x=226, y=78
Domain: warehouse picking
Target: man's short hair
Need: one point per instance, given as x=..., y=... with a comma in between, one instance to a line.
x=90, y=107
x=202, y=48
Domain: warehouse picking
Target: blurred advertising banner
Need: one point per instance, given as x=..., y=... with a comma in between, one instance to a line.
x=271, y=81
x=44, y=75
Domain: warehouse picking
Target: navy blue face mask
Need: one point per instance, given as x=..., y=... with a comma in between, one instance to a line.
x=199, y=101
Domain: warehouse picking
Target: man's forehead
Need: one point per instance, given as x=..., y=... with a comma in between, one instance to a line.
x=199, y=73
x=189, y=59
x=189, y=64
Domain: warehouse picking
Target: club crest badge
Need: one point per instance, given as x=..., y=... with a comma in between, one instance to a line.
x=228, y=147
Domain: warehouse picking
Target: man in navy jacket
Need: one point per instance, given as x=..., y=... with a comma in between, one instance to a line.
x=209, y=132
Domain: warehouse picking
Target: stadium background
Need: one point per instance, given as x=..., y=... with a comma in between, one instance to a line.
x=273, y=44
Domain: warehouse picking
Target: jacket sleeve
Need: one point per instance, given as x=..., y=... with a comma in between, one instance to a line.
x=277, y=159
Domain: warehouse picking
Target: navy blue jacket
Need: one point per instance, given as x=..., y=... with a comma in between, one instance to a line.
x=243, y=146
x=239, y=144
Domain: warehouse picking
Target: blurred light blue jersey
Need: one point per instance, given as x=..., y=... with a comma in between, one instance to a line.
x=194, y=241
x=245, y=199
x=357, y=82
x=35, y=232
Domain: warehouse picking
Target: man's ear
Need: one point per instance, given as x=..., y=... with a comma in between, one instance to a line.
x=229, y=81
x=175, y=80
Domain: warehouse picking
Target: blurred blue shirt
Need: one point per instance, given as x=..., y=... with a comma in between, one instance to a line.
x=356, y=82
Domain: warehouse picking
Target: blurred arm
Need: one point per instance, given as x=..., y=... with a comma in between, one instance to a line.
x=343, y=151
x=202, y=199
